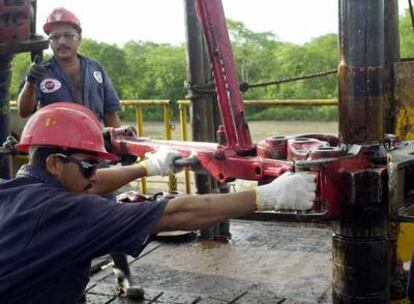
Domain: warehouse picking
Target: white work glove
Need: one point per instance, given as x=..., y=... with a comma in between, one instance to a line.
x=243, y=185
x=161, y=162
x=290, y=191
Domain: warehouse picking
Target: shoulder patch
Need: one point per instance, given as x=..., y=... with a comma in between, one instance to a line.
x=98, y=76
x=50, y=85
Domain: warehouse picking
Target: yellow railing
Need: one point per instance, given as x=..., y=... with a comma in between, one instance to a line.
x=166, y=106
x=13, y=105
x=184, y=106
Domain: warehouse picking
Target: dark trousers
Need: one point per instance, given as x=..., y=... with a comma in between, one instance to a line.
x=121, y=262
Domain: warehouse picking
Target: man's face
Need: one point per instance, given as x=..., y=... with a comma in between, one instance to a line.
x=64, y=41
x=77, y=172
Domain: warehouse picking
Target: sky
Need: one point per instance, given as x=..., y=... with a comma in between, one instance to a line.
x=162, y=21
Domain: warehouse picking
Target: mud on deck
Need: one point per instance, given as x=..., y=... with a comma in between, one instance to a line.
x=263, y=263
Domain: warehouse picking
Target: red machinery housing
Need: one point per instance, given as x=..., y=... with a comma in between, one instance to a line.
x=17, y=28
x=17, y=34
x=269, y=158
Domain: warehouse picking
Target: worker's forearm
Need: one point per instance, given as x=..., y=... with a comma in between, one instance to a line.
x=111, y=119
x=194, y=212
x=111, y=179
x=26, y=101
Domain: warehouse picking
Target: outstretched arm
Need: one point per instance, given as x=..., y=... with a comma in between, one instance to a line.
x=111, y=179
x=291, y=191
x=159, y=163
x=111, y=119
x=194, y=212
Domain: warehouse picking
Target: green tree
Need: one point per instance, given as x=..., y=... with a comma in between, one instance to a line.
x=136, y=83
x=147, y=70
x=20, y=64
x=253, y=55
x=406, y=35
x=111, y=57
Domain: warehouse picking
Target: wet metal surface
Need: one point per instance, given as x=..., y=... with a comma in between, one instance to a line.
x=264, y=263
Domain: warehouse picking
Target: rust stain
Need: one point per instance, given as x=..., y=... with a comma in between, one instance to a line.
x=405, y=122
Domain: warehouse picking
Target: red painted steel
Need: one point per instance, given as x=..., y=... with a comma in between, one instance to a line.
x=314, y=152
x=17, y=26
x=238, y=157
x=15, y=22
x=213, y=21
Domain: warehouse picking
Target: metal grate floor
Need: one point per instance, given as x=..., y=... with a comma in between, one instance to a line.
x=264, y=262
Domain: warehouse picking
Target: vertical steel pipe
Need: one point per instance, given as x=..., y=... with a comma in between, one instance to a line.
x=204, y=108
x=361, y=257
x=361, y=68
x=392, y=56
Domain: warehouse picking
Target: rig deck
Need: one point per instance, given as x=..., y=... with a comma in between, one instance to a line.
x=265, y=262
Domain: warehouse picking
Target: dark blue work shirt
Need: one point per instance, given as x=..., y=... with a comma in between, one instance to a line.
x=48, y=236
x=98, y=93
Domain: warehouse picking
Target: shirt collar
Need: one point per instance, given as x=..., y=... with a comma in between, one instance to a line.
x=37, y=173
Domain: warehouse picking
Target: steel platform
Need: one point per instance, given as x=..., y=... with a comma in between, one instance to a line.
x=265, y=262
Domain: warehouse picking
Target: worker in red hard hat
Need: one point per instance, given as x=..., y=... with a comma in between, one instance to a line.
x=53, y=221
x=61, y=16
x=72, y=77
x=68, y=75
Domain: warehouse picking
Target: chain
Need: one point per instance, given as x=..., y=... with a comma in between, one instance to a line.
x=244, y=86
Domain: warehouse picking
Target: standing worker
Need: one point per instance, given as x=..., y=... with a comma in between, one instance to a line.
x=53, y=223
x=68, y=76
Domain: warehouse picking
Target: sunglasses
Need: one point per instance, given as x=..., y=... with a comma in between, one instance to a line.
x=87, y=167
x=65, y=35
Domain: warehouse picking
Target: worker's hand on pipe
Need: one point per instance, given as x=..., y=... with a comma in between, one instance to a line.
x=161, y=162
x=290, y=191
x=36, y=72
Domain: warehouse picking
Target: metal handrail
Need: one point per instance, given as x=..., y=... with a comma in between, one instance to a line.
x=166, y=105
x=291, y=103
x=184, y=106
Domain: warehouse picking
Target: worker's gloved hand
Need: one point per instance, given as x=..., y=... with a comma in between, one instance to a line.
x=36, y=73
x=290, y=191
x=161, y=162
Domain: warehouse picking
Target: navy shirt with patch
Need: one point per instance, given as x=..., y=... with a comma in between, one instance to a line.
x=48, y=236
x=98, y=93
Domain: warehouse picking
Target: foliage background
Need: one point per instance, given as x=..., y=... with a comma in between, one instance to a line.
x=146, y=70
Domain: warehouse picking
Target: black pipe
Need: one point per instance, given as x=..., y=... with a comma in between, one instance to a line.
x=361, y=252
x=361, y=46
x=392, y=56
x=205, y=113
x=5, y=80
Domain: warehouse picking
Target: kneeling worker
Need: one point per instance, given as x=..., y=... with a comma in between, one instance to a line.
x=53, y=221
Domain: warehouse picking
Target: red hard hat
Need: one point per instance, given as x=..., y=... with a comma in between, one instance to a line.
x=67, y=125
x=61, y=15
